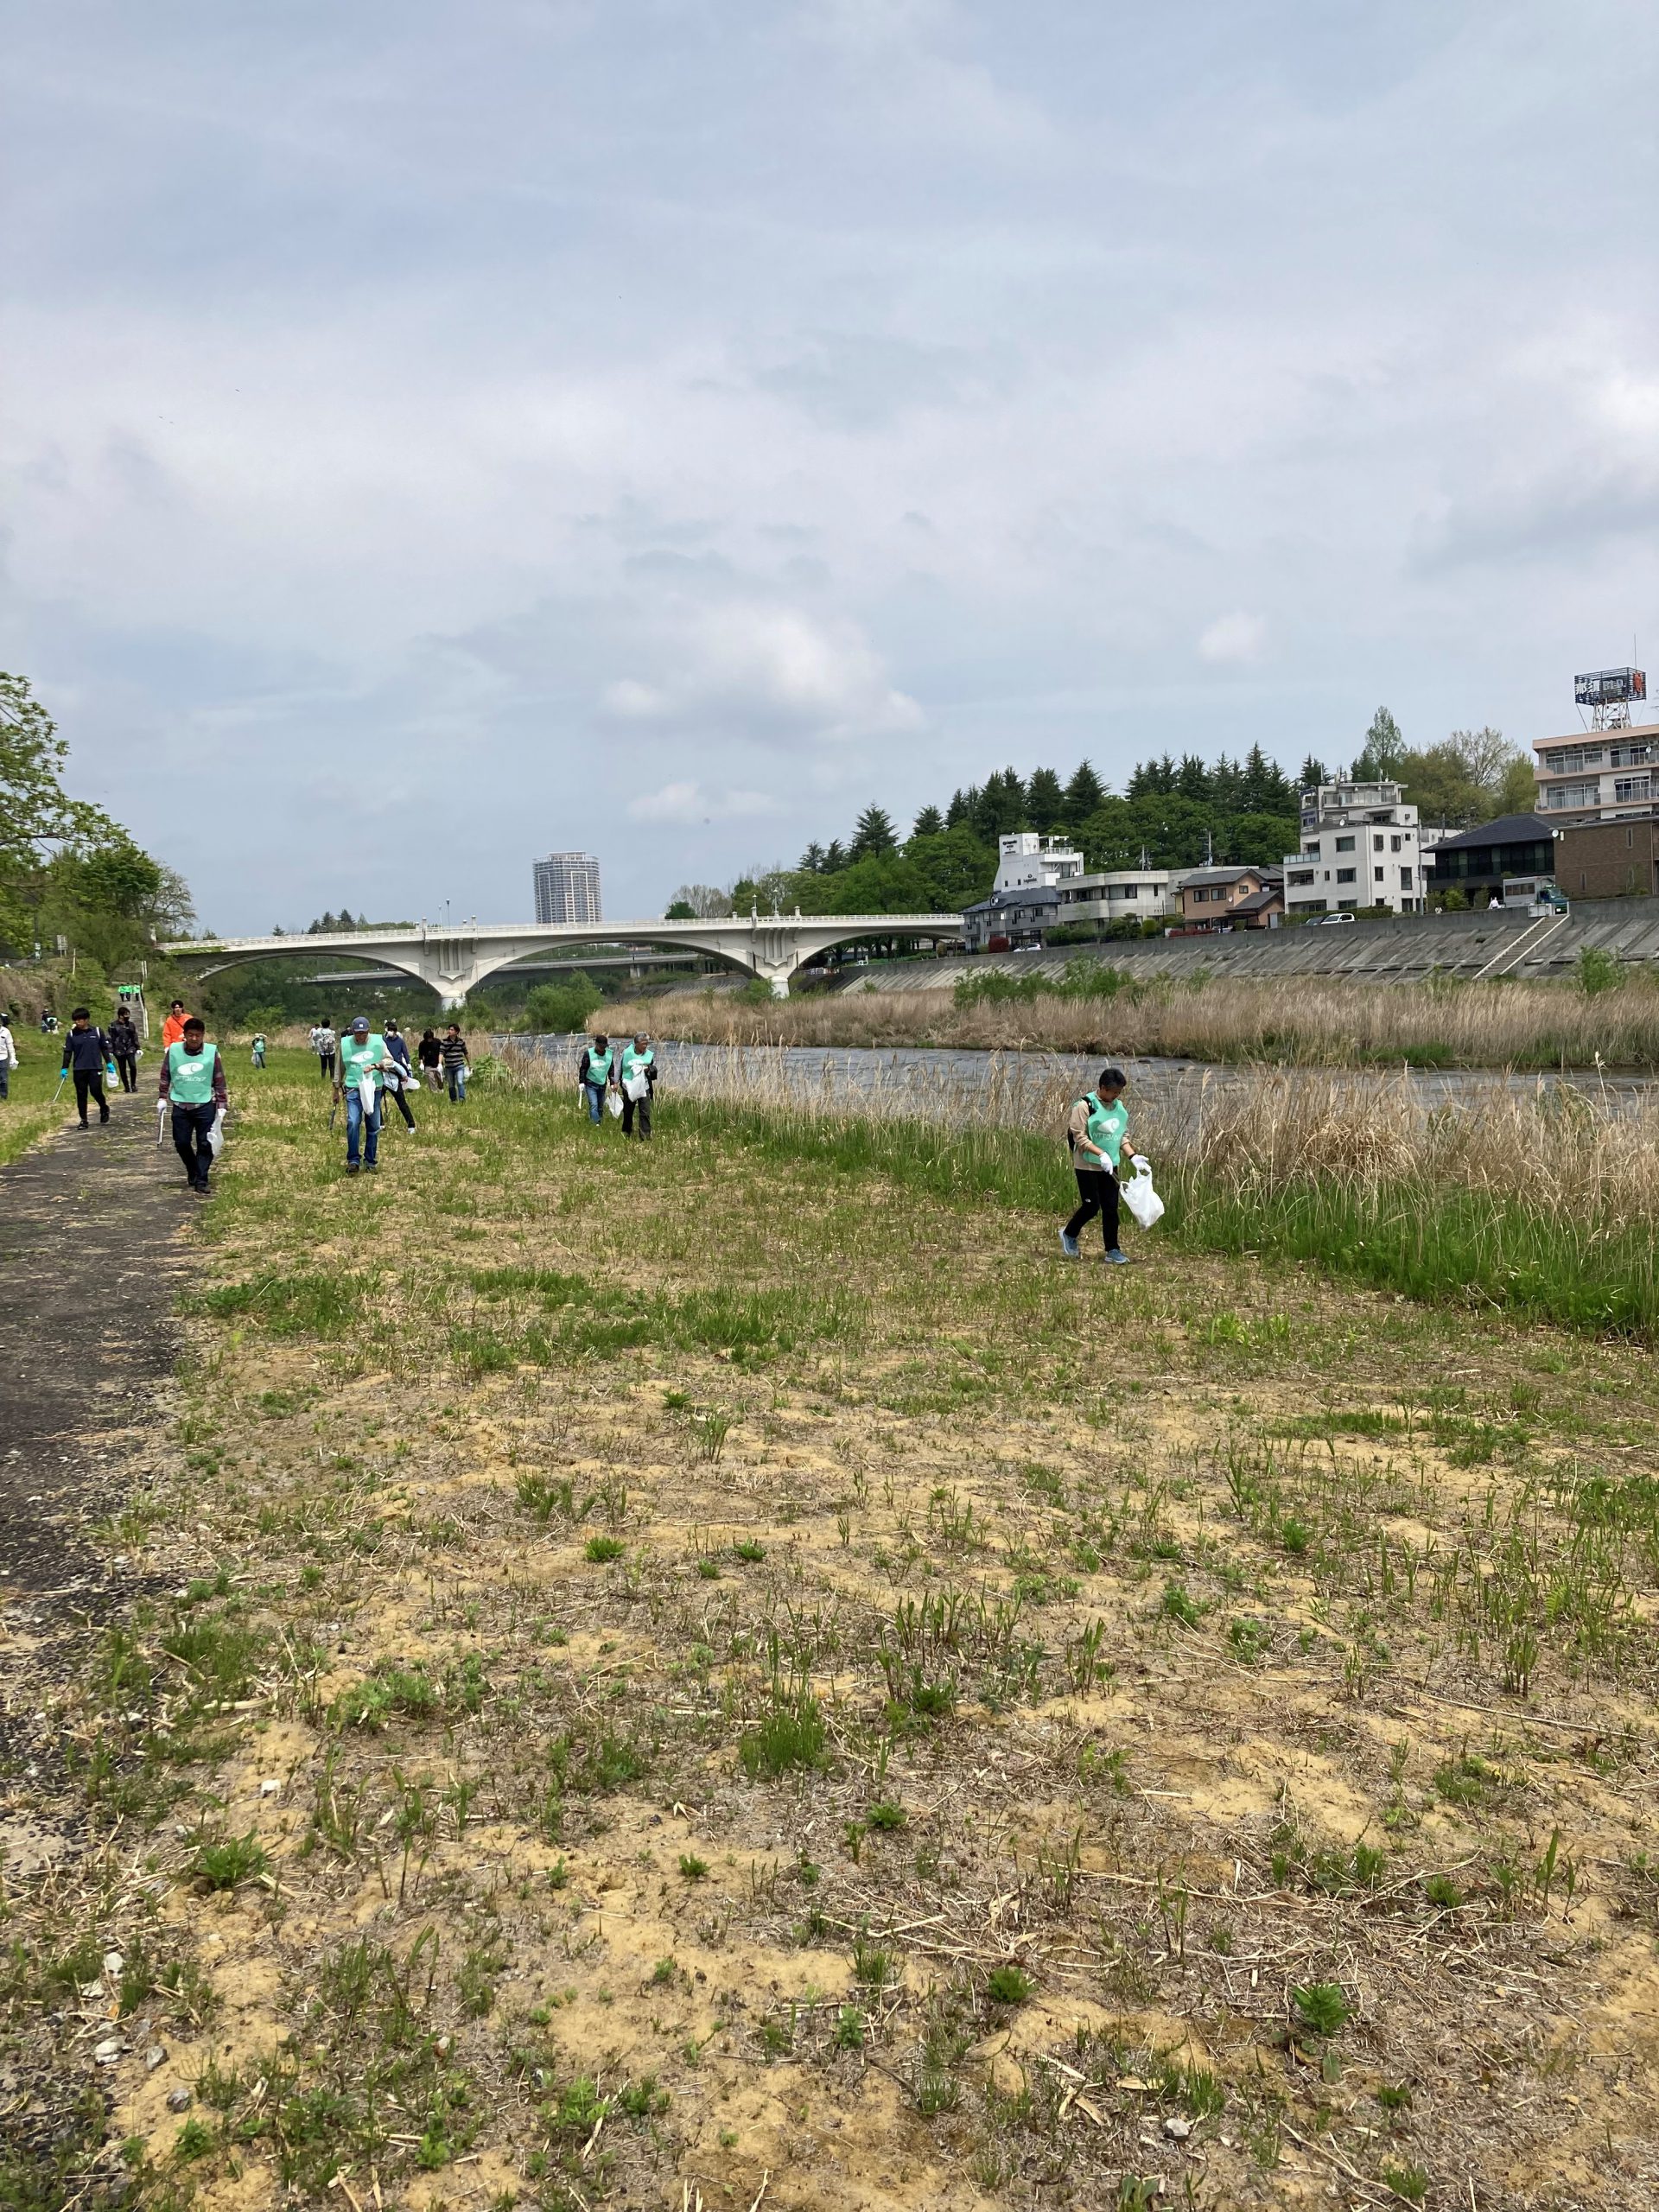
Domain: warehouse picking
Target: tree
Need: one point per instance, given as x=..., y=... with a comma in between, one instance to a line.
x=812, y=861
x=1265, y=786
x=36, y=813
x=560, y=1009
x=1312, y=773
x=1000, y=806
x=834, y=857
x=680, y=910
x=873, y=833
x=1471, y=777
x=1083, y=794
x=955, y=868
x=930, y=823
x=1382, y=753
x=1517, y=788
x=1044, y=800
x=704, y=902
x=962, y=808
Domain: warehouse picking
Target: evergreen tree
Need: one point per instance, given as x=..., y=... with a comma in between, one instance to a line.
x=812, y=861
x=930, y=823
x=1001, y=805
x=962, y=808
x=1192, y=778
x=1044, y=800
x=1083, y=794
x=1311, y=772
x=873, y=834
x=346, y=921
x=834, y=857
x=1265, y=786
x=1226, y=785
x=1384, y=750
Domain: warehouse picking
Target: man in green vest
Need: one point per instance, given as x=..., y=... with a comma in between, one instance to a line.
x=637, y=1073
x=1096, y=1132
x=192, y=1084
x=362, y=1057
x=593, y=1074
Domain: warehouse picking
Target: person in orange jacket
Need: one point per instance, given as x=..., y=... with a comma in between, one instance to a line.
x=173, y=1027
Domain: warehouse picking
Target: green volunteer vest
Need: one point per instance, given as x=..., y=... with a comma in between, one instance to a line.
x=190, y=1075
x=598, y=1065
x=1106, y=1126
x=356, y=1059
x=636, y=1063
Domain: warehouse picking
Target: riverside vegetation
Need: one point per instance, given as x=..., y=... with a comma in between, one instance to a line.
x=727, y=1672
x=1606, y=1016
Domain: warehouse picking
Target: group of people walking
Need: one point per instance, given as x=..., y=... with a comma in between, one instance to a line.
x=627, y=1073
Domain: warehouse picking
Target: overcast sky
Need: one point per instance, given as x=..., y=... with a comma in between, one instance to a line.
x=435, y=435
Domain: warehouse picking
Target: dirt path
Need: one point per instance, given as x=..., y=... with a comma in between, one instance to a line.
x=91, y=1251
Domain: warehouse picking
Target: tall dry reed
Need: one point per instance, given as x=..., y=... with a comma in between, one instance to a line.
x=1290, y=1021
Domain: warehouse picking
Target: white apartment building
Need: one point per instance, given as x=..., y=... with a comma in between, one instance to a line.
x=1603, y=775
x=1024, y=861
x=567, y=889
x=1362, y=846
x=1119, y=894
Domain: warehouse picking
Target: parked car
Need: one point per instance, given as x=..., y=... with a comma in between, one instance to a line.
x=1328, y=921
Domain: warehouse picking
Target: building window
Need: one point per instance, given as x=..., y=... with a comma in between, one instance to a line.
x=1299, y=877
x=1572, y=795
x=1376, y=872
x=1377, y=843
x=1344, y=844
x=1347, y=874
x=1627, y=788
x=1393, y=844
x=1405, y=879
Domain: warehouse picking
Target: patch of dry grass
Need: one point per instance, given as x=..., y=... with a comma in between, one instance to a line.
x=1307, y=1022
x=671, y=1674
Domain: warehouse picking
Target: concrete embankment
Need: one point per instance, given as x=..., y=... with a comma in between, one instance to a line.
x=1407, y=950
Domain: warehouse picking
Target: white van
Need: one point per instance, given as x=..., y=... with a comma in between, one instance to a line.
x=1537, y=894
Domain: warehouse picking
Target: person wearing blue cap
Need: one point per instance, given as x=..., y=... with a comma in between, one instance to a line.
x=363, y=1057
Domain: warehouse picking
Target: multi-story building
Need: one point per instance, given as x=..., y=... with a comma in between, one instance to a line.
x=1118, y=894
x=1600, y=775
x=567, y=889
x=1024, y=860
x=1362, y=846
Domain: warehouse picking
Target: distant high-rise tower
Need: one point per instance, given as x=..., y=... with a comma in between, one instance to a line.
x=567, y=889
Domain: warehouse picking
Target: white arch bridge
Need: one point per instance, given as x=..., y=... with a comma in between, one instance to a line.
x=453, y=959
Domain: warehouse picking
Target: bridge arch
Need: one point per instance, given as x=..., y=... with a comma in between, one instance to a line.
x=454, y=961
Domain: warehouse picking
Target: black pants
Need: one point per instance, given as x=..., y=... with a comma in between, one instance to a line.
x=327, y=1060
x=1097, y=1194
x=402, y=1103
x=191, y=1127
x=631, y=1107
x=89, y=1084
x=128, y=1064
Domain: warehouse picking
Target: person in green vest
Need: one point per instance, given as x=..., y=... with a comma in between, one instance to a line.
x=192, y=1084
x=636, y=1077
x=1096, y=1132
x=593, y=1074
x=363, y=1056
x=259, y=1048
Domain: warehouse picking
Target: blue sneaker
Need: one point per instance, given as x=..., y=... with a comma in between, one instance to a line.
x=1068, y=1244
x=1117, y=1259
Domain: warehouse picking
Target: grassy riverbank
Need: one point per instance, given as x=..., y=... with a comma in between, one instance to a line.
x=729, y=1671
x=1296, y=1022
x=32, y=1107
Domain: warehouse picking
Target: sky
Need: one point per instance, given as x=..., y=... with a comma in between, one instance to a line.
x=432, y=436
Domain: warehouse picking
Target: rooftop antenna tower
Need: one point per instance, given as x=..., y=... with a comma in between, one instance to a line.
x=1608, y=692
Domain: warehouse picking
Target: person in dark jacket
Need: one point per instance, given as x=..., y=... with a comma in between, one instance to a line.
x=400, y=1079
x=86, y=1053
x=124, y=1043
x=430, y=1054
x=192, y=1084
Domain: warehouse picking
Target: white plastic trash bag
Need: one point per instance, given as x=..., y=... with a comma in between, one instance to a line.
x=638, y=1087
x=1142, y=1201
x=216, y=1134
x=614, y=1104
x=366, y=1092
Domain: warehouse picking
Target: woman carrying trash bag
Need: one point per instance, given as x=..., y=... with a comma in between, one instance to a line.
x=1096, y=1132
